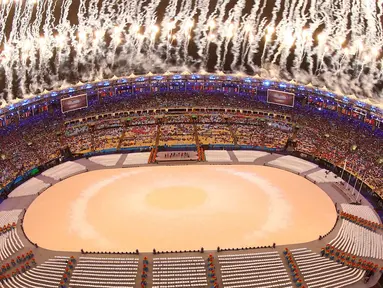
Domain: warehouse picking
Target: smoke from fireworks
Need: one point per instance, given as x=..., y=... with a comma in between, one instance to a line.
x=335, y=43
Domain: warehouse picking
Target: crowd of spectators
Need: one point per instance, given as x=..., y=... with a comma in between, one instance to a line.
x=30, y=141
x=214, y=134
x=144, y=135
x=343, y=142
x=172, y=134
x=106, y=138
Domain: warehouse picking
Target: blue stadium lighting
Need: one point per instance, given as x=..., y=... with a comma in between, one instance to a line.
x=54, y=94
x=177, y=77
x=282, y=85
x=106, y=83
x=88, y=86
x=140, y=79
x=71, y=89
x=212, y=77
x=195, y=76
x=302, y=88
x=360, y=103
x=266, y=83
x=158, y=77
x=248, y=80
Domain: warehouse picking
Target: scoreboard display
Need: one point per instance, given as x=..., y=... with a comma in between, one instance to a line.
x=280, y=98
x=74, y=103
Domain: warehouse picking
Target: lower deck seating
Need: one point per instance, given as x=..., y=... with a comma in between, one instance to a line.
x=8, y=217
x=361, y=211
x=177, y=134
x=321, y=272
x=264, y=269
x=104, y=272
x=179, y=272
x=214, y=134
x=358, y=241
x=217, y=156
x=10, y=243
x=46, y=275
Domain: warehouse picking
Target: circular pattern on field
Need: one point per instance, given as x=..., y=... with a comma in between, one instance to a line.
x=179, y=208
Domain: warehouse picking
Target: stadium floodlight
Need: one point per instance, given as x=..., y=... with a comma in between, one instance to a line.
x=354, y=147
x=380, y=161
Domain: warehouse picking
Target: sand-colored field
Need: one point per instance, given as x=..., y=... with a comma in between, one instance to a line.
x=179, y=208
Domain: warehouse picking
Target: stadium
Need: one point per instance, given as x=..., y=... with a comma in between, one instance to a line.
x=128, y=158
x=80, y=183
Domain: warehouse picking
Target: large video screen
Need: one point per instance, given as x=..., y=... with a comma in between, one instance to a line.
x=280, y=98
x=74, y=103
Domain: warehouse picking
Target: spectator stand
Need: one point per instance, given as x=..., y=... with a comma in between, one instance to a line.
x=106, y=271
x=263, y=269
x=320, y=272
x=292, y=164
x=33, y=186
x=65, y=170
x=106, y=160
x=49, y=274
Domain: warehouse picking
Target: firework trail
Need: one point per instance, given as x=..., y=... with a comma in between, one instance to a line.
x=336, y=43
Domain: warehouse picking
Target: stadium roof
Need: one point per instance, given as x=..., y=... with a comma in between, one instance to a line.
x=66, y=88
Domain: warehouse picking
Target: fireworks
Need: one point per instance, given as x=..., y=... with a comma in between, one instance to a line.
x=333, y=43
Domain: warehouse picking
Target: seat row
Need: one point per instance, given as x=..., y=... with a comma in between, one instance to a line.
x=358, y=241
x=264, y=269
x=104, y=272
x=179, y=272
x=47, y=275
x=10, y=243
x=8, y=217
x=361, y=211
x=321, y=272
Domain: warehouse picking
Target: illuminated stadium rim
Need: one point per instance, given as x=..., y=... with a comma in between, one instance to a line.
x=244, y=80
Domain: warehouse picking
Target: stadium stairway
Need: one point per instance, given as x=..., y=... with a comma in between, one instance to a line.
x=217, y=270
x=122, y=136
x=158, y=134
x=285, y=263
x=196, y=134
x=233, y=134
x=149, y=279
